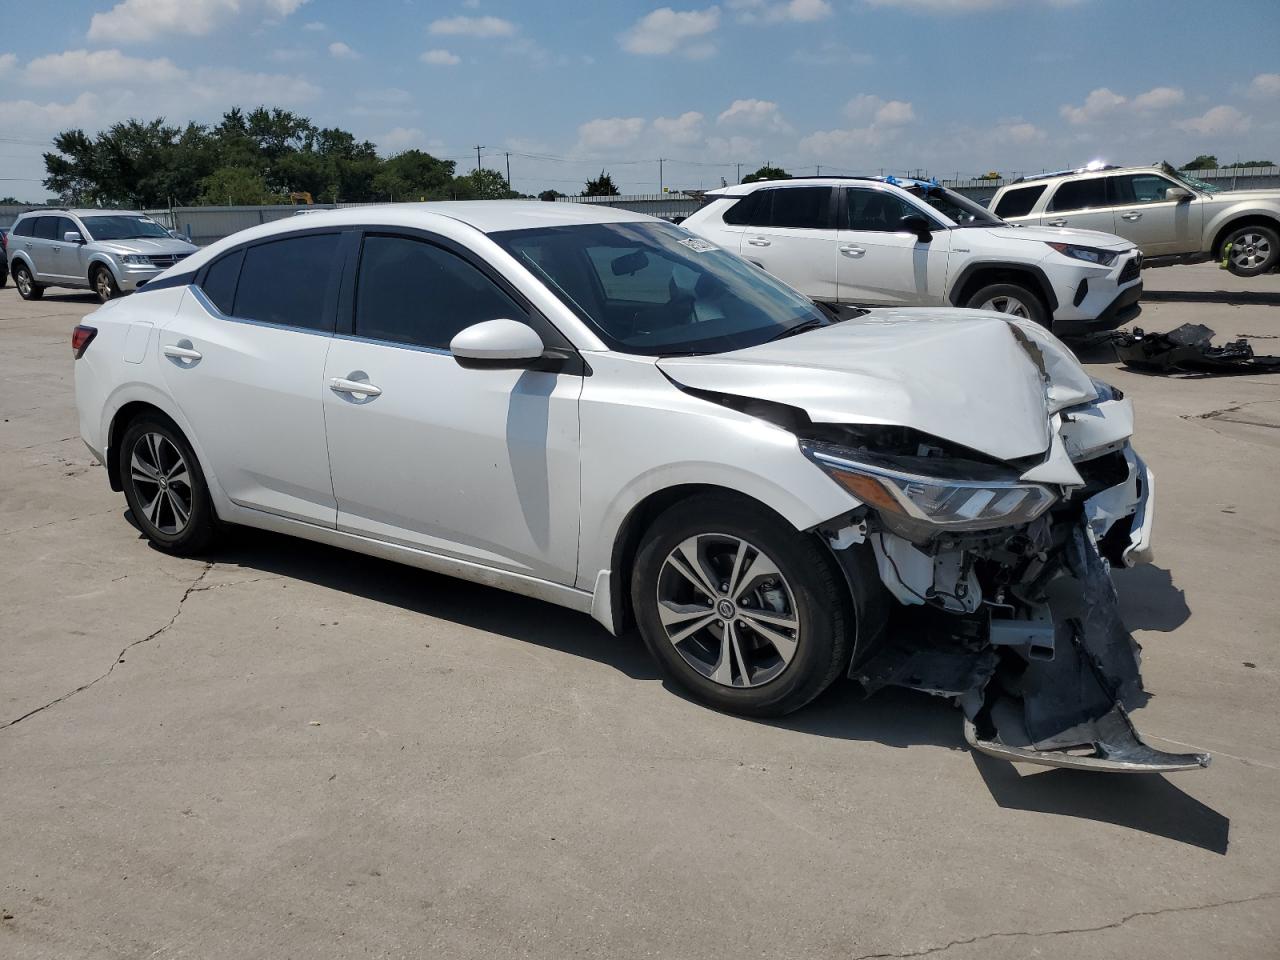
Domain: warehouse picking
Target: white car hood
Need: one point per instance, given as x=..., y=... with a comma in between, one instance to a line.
x=1092, y=238
x=976, y=379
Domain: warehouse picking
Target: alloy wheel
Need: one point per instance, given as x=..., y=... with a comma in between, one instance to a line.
x=102, y=282
x=163, y=483
x=22, y=280
x=1250, y=250
x=728, y=610
x=1009, y=305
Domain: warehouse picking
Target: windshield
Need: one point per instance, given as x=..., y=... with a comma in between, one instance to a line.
x=961, y=210
x=1197, y=184
x=123, y=227
x=657, y=290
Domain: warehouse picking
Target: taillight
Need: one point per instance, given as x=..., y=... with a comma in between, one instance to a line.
x=81, y=337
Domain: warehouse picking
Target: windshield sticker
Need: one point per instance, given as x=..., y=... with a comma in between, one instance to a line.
x=698, y=245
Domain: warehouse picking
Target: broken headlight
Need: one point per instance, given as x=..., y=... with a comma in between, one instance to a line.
x=902, y=495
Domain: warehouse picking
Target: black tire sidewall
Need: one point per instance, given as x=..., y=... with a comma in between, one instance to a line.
x=1269, y=264
x=37, y=291
x=821, y=608
x=199, y=530
x=1035, y=306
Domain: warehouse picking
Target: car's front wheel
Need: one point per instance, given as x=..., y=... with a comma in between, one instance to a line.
x=1010, y=298
x=1253, y=251
x=165, y=487
x=28, y=289
x=104, y=284
x=739, y=608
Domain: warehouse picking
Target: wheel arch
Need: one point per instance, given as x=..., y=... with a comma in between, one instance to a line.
x=129, y=409
x=100, y=260
x=974, y=276
x=24, y=258
x=1235, y=222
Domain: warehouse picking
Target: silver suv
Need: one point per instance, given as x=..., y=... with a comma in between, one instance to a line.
x=107, y=251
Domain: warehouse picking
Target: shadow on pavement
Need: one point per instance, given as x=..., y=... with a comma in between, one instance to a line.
x=1234, y=297
x=1149, y=600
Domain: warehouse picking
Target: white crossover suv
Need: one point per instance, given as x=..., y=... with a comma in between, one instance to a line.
x=885, y=241
x=1173, y=218
x=601, y=410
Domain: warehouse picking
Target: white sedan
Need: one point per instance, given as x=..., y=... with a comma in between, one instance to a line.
x=601, y=410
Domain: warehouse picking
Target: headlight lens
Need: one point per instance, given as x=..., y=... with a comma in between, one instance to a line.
x=940, y=503
x=136, y=259
x=1103, y=258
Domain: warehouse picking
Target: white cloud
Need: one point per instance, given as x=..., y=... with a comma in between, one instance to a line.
x=961, y=6
x=1098, y=104
x=440, y=58
x=1159, y=98
x=1217, y=121
x=7, y=62
x=141, y=21
x=27, y=118
x=83, y=68
x=763, y=11
x=472, y=27
x=340, y=51
x=609, y=133
x=398, y=139
x=882, y=112
x=1019, y=131
x=666, y=31
x=755, y=114
x=290, y=54
x=883, y=122
x=315, y=26
x=1265, y=86
x=684, y=130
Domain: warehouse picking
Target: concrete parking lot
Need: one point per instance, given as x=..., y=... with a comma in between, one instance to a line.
x=289, y=751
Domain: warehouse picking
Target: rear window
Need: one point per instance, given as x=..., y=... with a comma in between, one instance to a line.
x=285, y=281
x=1079, y=195
x=801, y=207
x=739, y=213
x=23, y=228
x=220, y=281
x=1018, y=203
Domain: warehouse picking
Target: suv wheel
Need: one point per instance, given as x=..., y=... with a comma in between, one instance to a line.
x=164, y=486
x=1012, y=299
x=104, y=284
x=28, y=289
x=739, y=608
x=1254, y=250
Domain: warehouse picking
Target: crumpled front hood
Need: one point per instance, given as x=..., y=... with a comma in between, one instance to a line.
x=970, y=377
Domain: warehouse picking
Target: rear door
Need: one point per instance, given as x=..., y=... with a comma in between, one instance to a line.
x=791, y=233
x=1080, y=204
x=64, y=257
x=1143, y=215
x=40, y=247
x=243, y=358
x=880, y=264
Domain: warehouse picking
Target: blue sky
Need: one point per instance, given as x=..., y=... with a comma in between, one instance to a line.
x=852, y=85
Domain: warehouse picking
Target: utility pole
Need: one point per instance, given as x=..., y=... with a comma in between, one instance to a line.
x=660, y=181
x=478, y=146
x=818, y=170
x=508, y=171
x=739, y=171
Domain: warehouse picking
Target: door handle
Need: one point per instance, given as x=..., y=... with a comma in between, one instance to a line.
x=1131, y=216
x=1056, y=223
x=849, y=250
x=357, y=388
x=758, y=241
x=181, y=353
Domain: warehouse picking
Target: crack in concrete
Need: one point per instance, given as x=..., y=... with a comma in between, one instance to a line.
x=41, y=526
x=192, y=588
x=1067, y=930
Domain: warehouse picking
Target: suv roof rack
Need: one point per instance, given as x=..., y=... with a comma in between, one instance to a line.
x=1088, y=168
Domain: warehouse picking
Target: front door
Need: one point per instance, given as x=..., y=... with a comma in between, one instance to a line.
x=479, y=465
x=880, y=264
x=1157, y=226
x=791, y=234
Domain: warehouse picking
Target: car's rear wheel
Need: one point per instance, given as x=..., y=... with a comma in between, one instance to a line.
x=739, y=608
x=104, y=284
x=28, y=289
x=1253, y=251
x=165, y=487
x=1010, y=298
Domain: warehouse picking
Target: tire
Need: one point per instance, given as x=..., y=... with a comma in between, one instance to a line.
x=1013, y=299
x=158, y=504
x=727, y=658
x=28, y=289
x=103, y=284
x=1253, y=250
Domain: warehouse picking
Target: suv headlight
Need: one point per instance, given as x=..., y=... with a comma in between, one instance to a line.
x=912, y=499
x=1103, y=258
x=136, y=260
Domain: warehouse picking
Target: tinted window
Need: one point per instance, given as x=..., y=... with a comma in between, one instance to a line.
x=220, y=281
x=46, y=228
x=414, y=292
x=1139, y=188
x=123, y=227
x=806, y=207
x=65, y=226
x=740, y=212
x=878, y=211
x=1079, y=195
x=24, y=227
x=1018, y=203
x=285, y=281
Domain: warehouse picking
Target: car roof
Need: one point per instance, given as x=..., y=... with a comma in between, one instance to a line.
x=742, y=189
x=79, y=212
x=1110, y=170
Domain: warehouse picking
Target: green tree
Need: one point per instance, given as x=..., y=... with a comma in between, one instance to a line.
x=601, y=186
x=1240, y=165
x=482, y=185
x=1206, y=161
x=12, y=202
x=236, y=186
x=413, y=175
x=550, y=195
x=767, y=172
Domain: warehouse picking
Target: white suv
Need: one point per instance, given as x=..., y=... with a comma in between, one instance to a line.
x=884, y=241
x=1171, y=217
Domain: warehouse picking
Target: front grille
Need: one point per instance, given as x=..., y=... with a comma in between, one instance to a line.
x=1131, y=269
x=167, y=259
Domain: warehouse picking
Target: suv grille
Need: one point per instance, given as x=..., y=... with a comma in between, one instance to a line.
x=167, y=259
x=1131, y=269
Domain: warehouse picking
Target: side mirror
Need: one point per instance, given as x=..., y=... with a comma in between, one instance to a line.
x=914, y=223
x=177, y=234
x=72, y=236
x=497, y=345
x=1178, y=194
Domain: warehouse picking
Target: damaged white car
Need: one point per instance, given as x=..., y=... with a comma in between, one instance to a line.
x=598, y=409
